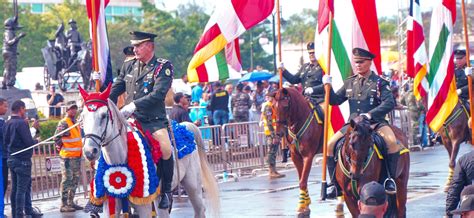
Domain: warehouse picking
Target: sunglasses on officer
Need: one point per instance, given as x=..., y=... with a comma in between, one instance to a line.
x=359, y=61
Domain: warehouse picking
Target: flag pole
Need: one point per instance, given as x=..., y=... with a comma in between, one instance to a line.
x=469, y=78
x=327, y=90
x=95, y=61
x=280, y=71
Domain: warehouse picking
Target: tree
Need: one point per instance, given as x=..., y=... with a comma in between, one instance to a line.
x=300, y=28
x=388, y=28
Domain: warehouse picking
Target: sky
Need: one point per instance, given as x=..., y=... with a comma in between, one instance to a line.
x=385, y=8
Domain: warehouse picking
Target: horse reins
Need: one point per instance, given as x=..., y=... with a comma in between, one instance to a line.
x=99, y=140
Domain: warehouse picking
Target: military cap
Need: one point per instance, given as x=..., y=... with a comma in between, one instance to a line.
x=128, y=50
x=139, y=37
x=310, y=46
x=373, y=194
x=360, y=53
x=71, y=105
x=467, y=200
x=71, y=21
x=460, y=52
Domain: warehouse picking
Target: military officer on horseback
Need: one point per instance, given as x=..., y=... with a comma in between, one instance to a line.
x=461, y=76
x=309, y=75
x=368, y=95
x=147, y=79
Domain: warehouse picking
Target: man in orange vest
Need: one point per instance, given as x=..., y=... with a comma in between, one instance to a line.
x=273, y=141
x=69, y=145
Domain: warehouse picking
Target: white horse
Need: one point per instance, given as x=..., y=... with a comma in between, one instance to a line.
x=107, y=131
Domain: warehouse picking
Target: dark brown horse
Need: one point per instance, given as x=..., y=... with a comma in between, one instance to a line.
x=359, y=163
x=454, y=132
x=295, y=115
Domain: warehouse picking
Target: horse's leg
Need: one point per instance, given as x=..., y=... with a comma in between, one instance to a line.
x=352, y=205
x=449, y=148
x=192, y=185
x=305, y=200
x=143, y=210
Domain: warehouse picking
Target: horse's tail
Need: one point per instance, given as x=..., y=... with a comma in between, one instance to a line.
x=208, y=180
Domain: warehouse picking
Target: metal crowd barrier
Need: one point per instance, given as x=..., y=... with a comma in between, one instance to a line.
x=400, y=117
x=46, y=174
x=230, y=148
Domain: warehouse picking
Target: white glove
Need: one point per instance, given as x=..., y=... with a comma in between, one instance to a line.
x=367, y=115
x=308, y=91
x=95, y=75
x=128, y=110
x=458, y=91
x=468, y=71
x=281, y=65
x=327, y=79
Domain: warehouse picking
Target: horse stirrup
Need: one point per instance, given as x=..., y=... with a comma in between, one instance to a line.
x=390, y=180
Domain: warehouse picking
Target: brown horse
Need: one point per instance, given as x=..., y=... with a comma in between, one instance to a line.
x=295, y=115
x=359, y=163
x=454, y=132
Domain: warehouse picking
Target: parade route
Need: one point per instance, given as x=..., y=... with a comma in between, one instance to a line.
x=260, y=197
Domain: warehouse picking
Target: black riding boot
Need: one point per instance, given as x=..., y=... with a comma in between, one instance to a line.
x=389, y=184
x=333, y=187
x=165, y=169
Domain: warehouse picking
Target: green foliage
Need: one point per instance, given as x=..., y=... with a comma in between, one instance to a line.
x=48, y=128
x=388, y=28
x=300, y=28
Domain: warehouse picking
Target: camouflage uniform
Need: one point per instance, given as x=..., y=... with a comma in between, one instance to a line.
x=269, y=120
x=240, y=106
x=70, y=172
x=409, y=100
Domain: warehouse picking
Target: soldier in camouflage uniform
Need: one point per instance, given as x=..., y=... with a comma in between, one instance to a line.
x=309, y=75
x=273, y=141
x=69, y=145
x=147, y=79
x=369, y=95
x=241, y=104
x=414, y=110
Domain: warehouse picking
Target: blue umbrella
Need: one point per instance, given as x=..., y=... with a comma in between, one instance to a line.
x=256, y=76
x=276, y=79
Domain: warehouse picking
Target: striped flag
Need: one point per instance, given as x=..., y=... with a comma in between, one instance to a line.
x=417, y=59
x=347, y=33
x=230, y=20
x=100, y=42
x=442, y=96
x=217, y=67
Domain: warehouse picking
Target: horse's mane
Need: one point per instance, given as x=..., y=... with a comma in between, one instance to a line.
x=116, y=113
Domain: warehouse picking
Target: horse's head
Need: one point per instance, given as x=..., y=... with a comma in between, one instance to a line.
x=282, y=109
x=358, y=142
x=98, y=125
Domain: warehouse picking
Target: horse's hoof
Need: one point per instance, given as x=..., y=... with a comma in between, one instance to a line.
x=303, y=212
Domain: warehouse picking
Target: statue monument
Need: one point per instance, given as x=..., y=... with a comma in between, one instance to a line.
x=10, y=54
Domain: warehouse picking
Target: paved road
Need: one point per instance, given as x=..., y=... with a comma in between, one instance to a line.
x=261, y=197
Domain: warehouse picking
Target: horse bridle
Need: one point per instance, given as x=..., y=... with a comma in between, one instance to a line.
x=287, y=109
x=99, y=140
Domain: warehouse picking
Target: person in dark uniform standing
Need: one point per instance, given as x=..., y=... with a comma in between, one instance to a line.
x=309, y=75
x=218, y=104
x=147, y=79
x=368, y=95
x=462, y=87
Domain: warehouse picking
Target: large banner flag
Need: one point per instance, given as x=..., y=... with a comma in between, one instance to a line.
x=354, y=24
x=100, y=42
x=217, y=67
x=230, y=19
x=417, y=59
x=442, y=97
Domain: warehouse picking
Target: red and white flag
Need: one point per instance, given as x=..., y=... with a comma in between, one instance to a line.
x=100, y=42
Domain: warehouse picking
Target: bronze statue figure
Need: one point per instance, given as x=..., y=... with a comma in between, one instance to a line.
x=10, y=46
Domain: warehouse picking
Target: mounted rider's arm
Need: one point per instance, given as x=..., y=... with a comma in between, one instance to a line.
x=387, y=101
x=162, y=84
x=335, y=98
x=293, y=79
x=119, y=86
